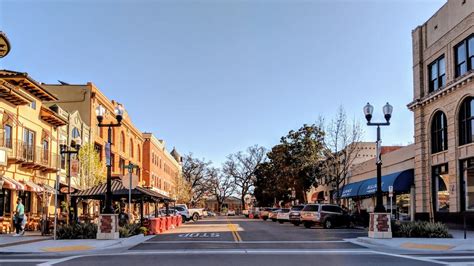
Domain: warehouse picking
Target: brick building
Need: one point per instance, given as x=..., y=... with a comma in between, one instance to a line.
x=443, y=91
x=160, y=168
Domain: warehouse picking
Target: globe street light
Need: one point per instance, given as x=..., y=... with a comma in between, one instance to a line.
x=387, y=111
x=100, y=113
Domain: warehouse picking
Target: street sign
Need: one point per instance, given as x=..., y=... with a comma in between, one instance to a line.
x=126, y=181
x=4, y=45
x=107, y=154
x=74, y=167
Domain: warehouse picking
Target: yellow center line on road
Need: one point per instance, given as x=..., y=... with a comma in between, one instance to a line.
x=233, y=229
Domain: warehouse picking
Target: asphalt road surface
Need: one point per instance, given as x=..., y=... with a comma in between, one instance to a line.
x=240, y=241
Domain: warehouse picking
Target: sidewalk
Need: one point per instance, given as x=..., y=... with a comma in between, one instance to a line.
x=73, y=245
x=457, y=243
x=7, y=240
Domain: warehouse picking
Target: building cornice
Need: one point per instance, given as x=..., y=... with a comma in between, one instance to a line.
x=443, y=92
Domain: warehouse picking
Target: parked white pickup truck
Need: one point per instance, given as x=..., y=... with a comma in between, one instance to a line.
x=194, y=213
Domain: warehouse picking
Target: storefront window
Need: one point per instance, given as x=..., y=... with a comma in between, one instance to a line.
x=402, y=203
x=440, y=188
x=5, y=202
x=26, y=200
x=467, y=185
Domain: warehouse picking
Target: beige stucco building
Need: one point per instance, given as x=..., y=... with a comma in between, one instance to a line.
x=28, y=146
x=443, y=91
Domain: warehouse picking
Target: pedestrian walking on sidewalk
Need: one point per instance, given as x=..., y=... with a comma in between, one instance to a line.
x=19, y=217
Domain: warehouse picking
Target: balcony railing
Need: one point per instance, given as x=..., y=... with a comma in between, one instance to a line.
x=29, y=156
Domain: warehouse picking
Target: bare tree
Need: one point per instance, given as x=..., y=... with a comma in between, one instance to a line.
x=342, y=145
x=196, y=172
x=241, y=167
x=221, y=186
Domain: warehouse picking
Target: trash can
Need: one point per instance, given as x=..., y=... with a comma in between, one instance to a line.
x=45, y=227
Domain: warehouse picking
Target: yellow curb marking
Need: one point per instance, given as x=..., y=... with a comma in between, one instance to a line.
x=68, y=248
x=426, y=246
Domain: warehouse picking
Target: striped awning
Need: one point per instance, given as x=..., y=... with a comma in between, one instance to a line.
x=118, y=189
x=11, y=183
x=49, y=189
x=31, y=186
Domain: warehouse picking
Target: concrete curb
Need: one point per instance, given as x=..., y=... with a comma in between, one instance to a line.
x=414, y=244
x=101, y=245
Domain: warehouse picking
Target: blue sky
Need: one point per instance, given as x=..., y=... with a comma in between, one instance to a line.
x=213, y=77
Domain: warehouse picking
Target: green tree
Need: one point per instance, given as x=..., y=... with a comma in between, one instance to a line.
x=294, y=165
x=91, y=169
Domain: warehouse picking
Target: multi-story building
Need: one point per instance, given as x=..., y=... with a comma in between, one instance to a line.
x=443, y=94
x=127, y=140
x=160, y=168
x=29, y=140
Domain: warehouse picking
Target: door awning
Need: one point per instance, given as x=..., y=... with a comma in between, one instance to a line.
x=31, y=186
x=351, y=190
x=11, y=183
x=401, y=182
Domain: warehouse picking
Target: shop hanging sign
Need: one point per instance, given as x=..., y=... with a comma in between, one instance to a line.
x=74, y=168
x=65, y=190
x=390, y=191
x=4, y=45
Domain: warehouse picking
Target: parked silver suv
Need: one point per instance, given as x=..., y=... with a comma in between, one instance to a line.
x=327, y=215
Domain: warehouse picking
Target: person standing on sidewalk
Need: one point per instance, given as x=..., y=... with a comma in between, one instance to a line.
x=19, y=216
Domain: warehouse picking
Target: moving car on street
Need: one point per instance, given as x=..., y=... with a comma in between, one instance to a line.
x=295, y=214
x=231, y=213
x=265, y=212
x=183, y=212
x=195, y=214
x=327, y=215
x=283, y=215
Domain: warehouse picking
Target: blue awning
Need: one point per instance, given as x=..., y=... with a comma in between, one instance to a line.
x=401, y=182
x=351, y=190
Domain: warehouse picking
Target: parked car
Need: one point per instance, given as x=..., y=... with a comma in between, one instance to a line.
x=211, y=214
x=183, y=212
x=295, y=214
x=273, y=215
x=327, y=215
x=283, y=215
x=230, y=213
x=195, y=213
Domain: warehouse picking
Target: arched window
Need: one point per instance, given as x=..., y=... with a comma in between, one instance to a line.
x=75, y=133
x=466, y=120
x=439, y=133
x=122, y=141
x=131, y=148
x=139, y=153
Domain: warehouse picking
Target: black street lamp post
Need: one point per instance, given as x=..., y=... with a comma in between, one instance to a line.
x=68, y=150
x=100, y=112
x=387, y=111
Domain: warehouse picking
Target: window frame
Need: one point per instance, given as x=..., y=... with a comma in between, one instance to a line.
x=7, y=140
x=440, y=80
x=439, y=135
x=468, y=59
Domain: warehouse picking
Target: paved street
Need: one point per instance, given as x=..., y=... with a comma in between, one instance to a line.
x=240, y=241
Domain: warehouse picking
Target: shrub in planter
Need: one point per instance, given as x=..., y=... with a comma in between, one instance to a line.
x=420, y=229
x=130, y=230
x=77, y=231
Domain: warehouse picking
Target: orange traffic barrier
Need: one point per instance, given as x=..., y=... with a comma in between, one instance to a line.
x=153, y=226
x=162, y=224
x=180, y=220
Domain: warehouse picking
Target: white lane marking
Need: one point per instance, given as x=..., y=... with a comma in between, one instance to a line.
x=448, y=257
x=245, y=242
x=411, y=257
x=23, y=260
x=56, y=261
